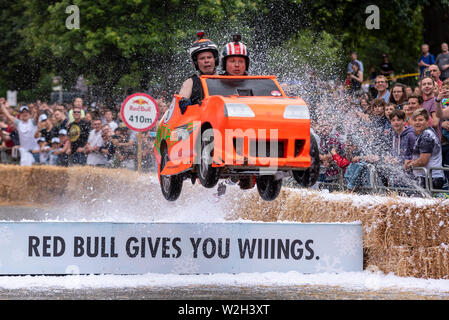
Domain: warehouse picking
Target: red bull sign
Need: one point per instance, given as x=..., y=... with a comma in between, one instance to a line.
x=139, y=112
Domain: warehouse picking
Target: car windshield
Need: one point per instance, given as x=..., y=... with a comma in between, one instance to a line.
x=242, y=87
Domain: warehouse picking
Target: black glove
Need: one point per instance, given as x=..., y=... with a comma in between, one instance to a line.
x=183, y=104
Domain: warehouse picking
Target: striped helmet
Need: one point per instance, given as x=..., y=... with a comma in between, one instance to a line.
x=234, y=48
x=201, y=45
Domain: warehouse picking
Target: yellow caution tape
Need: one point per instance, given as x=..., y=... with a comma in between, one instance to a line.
x=403, y=76
x=394, y=78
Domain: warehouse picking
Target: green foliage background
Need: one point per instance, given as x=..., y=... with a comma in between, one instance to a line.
x=130, y=45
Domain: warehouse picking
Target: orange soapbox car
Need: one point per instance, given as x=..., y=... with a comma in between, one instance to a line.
x=246, y=130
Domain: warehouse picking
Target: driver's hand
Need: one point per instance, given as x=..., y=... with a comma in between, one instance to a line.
x=183, y=104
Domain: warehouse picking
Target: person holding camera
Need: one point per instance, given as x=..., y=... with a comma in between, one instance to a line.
x=125, y=149
x=426, y=60
x=434, y=72
x=108, y=147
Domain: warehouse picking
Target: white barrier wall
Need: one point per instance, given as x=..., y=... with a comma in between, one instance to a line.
x=182, y=248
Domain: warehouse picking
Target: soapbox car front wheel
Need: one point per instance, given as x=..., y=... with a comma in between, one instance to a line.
x=207, y=174
x=268, y=187
x=171, y=186
x=308, y=177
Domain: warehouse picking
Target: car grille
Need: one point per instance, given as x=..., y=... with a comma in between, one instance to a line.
x=262, y=148
x=299, y=146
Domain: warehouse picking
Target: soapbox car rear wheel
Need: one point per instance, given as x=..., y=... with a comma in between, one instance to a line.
x=207, y=174
x=268, y=187
x=308, y=177
x=171, y=186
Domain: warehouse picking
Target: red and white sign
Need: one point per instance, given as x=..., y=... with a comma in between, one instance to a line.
x=140, y=112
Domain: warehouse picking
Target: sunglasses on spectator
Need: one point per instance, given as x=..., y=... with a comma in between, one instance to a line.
x=76, y=111
x=380, y=82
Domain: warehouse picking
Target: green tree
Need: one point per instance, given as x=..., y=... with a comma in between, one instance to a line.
x=120, y=40
x=19, y=70
x=305, y=52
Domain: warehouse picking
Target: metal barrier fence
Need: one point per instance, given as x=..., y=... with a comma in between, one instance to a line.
x=7, y=158
x=372, y=186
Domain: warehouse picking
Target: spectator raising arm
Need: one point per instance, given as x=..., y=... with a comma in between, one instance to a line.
x=4, y=108
x=443, y=94
x=342, y=162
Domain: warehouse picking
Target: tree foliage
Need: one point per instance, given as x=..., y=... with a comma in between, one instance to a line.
x=135, y=44
x=307, y=51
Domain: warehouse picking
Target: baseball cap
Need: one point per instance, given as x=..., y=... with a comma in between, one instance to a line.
x=55, y=140
x=62, y=132
x=41, y=139
x=42, y=117
x=24, y=108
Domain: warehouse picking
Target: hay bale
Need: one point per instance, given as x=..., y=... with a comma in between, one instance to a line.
x=418, y=226
x=414, y=262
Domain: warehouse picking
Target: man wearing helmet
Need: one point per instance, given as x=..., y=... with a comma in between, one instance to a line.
x=235, y=58
x=204, y=57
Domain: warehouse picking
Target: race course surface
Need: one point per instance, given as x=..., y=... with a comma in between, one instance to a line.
x=199, y=292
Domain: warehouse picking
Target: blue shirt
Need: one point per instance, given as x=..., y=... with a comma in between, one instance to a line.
x=430, y=59
x=386, y=96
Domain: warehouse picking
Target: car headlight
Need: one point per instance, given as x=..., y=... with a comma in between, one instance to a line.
x=296, y=112
x=238, y=110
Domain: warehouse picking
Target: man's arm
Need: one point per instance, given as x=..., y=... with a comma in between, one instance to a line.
x=440, y=113
x=67, y=149
x=422, y=161
x=421, y=62
x=35, y=114
x=186, y=89
x=3, y=105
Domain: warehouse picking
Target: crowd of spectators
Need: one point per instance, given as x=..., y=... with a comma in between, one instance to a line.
x=71, y=134
x=400, y=131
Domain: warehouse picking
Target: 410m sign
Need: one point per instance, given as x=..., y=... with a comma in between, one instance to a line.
x=140, y=112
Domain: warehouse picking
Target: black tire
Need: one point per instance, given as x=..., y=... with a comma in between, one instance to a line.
x=171, y=186
x=308, y=177
x=207, y=174
x=268, y=187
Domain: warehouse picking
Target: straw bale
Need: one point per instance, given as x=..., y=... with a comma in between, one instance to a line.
x=426, y=225
x=420, y=262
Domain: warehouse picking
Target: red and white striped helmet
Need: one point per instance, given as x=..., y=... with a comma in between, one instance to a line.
x=234, y=48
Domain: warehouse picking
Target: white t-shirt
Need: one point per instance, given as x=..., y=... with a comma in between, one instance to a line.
x=113, y=125
x=95, y=140
x=26, y=132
